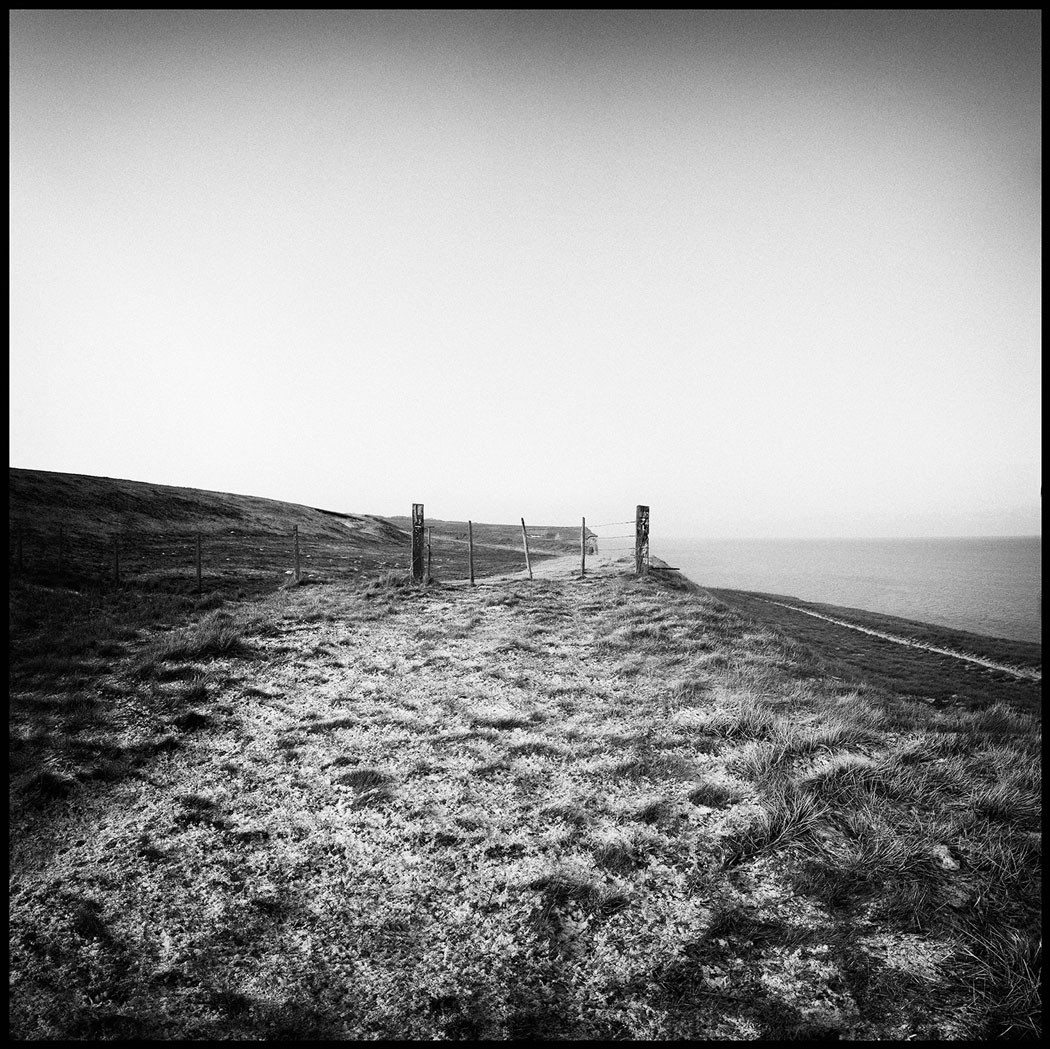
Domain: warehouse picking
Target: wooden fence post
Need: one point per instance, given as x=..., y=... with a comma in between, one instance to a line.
x=470, y=550
x=641, y=540
x=199, y=587
x=429, y=577
x=295, y=538
x=417, y=542
x=583, y=546
x=525, y=537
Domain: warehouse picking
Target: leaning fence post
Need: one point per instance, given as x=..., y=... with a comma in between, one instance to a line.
x=470, y=551
x=583, y=546
x=525, y=537
x=417, y=542
x=295, y=538
x=641, y=540
x=199, y=588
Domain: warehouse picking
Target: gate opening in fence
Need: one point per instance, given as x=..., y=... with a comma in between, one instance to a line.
x=535, y=542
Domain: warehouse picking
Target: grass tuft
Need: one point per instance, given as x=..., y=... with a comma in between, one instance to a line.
x=363, y=779
x=214, y=636
x=1004, y=802
x=789, y=815
x=49, y=785
x=713, y=795
x=619, y=856
x=1004, y=967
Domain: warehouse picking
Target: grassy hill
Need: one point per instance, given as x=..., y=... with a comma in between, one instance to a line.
x=600, y=807
x=65, y=526
x=100, y=506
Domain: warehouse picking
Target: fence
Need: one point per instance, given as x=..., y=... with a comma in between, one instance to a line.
x=201, y=560
x=215, y=557
x=588, y=542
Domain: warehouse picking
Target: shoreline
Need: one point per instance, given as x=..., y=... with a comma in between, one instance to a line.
x=937, y=665
x=855, y=613
x=984, y=586
x=1022, y=672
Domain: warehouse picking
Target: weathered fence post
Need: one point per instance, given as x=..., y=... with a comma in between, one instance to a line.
x=641, y=540
x=430, y=578
x=583, y=546
x=525, y=537
x=116, y=560
x=470, y=550
x=199, y=587
x=417, y=542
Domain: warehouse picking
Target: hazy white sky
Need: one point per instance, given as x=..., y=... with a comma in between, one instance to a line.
x=772, y=273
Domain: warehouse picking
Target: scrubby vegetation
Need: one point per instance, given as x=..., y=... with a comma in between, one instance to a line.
x=598, y=808
x=851, y=655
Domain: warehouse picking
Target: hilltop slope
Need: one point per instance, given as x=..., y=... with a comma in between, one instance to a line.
x=246, y=540
x=565, y=808
x=41, y=499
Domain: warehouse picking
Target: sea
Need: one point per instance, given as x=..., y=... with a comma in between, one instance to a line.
x=989, y=586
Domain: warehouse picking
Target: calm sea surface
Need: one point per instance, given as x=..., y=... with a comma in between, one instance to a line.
x=987, y=586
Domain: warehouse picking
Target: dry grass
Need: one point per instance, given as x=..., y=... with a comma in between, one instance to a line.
x=599, y=809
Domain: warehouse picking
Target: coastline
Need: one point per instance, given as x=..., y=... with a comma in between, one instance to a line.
x=937, y=664
x=921, y=660
x=985, y=586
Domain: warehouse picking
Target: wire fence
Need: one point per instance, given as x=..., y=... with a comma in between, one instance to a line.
x=215, y=556
x=616, y=542
x=198, y=559
x=254, y=561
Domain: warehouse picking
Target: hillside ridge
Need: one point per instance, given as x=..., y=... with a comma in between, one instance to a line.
x=105, y=503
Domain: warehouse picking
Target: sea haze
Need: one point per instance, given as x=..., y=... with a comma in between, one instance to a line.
x=989, y=586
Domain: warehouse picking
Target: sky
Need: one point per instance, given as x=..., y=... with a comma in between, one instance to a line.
x=773, y=274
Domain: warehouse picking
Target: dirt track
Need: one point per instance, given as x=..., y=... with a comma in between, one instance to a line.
x=1027, y=673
